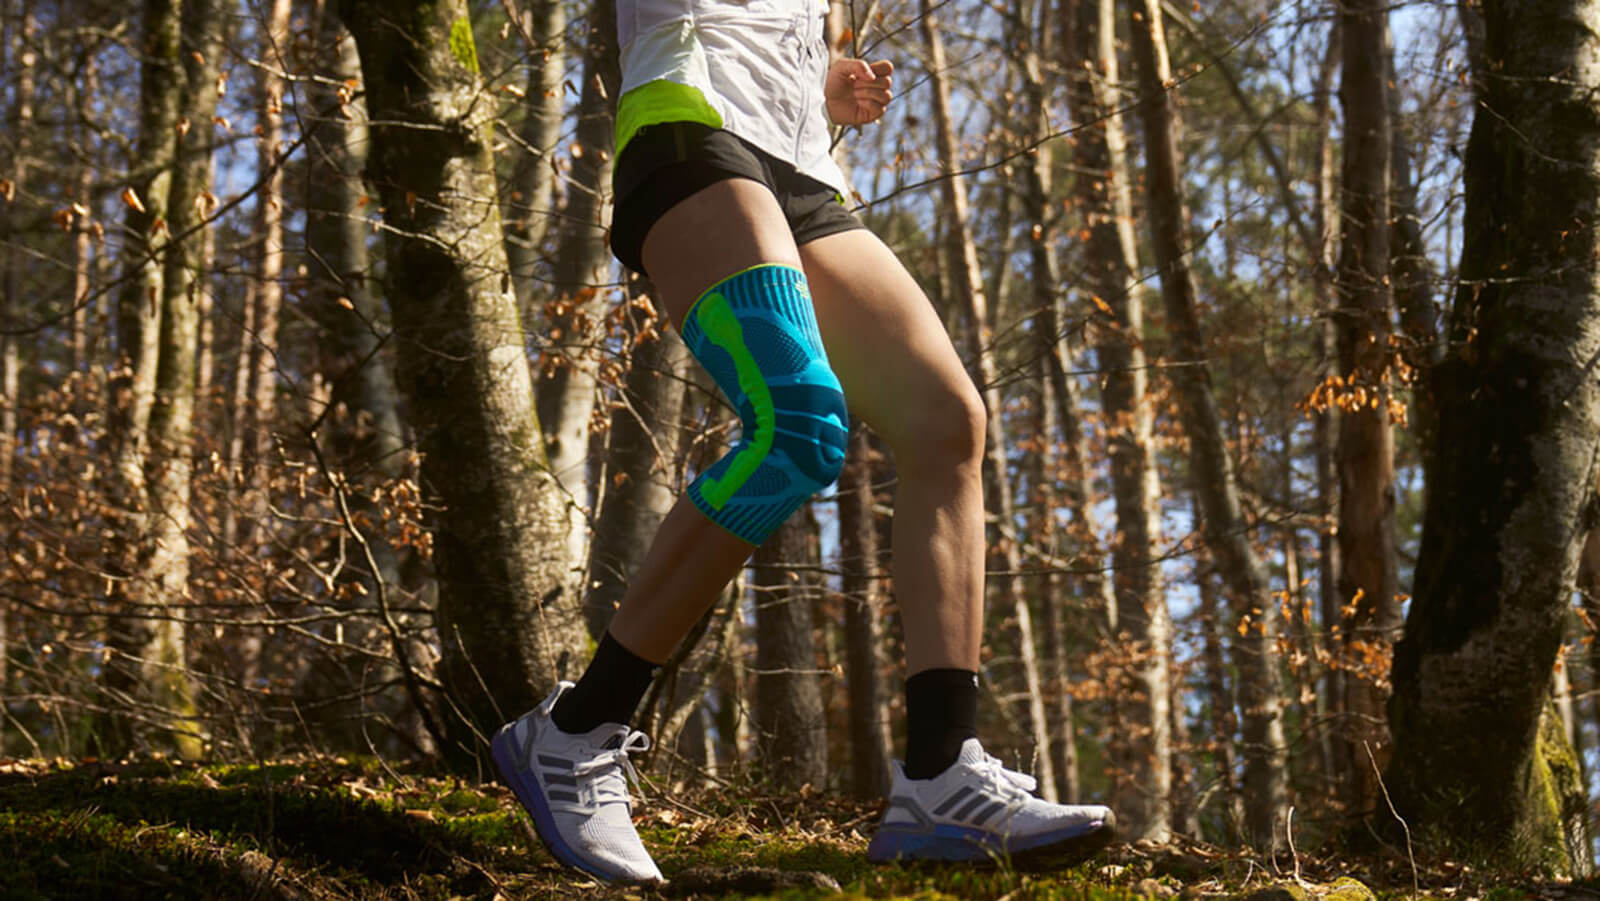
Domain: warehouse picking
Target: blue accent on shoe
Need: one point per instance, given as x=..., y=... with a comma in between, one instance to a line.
x=525, y=786
x=947, y=841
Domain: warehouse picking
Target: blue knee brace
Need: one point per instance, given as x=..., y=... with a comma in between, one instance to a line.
x=756, y=333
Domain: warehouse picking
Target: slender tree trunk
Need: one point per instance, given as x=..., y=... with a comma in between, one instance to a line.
x=640, y=486
x=509, y=626
x=1059, y=402
x=263, y=342
x=165, y=555
x=1224, y=718
x=1226, y=532
x=1336, y=753
x=1410, y=269
x=863, y=625
x=790, y=720
x=139, y=308
x=997, y=489
x=82, y=245
x=569, y=379
x=1366, y=437
x=1141, y=623
x=1513, y=497
x=21, y=128
x=531, y=201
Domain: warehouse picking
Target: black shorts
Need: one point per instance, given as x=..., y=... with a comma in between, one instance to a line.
x=663, y=164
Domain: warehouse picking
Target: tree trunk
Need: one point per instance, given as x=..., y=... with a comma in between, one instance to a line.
x=165, y=556
x=263, y=342
x=1059, y=404
x=997, y=488
x=570, y=361
x=82, y=246
x=863, y=621
x=640, y=481
x=1339, y=764
x=139, y=306
x=1411, y=270
x=1513, y=496
x=20, y=123
x=21, y=126
x=507, y=631
x=531, y=199
x=1226, y=532
x=1220, y=699
x=790, y=721
x=1366, y=437
x=1140, y=622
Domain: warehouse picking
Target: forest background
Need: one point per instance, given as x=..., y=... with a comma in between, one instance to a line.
x=329, y=424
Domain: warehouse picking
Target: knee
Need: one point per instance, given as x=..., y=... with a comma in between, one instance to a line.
x=813, y=426
x=945, y=433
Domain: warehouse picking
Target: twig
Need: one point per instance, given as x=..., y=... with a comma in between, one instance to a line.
x=1416, y=888
x=381, y=589
x=1289, y=828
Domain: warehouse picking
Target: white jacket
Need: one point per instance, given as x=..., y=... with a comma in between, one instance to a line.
x=759, y=64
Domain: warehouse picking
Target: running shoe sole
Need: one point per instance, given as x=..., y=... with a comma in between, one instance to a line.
x=963, y=844
x=533, y=801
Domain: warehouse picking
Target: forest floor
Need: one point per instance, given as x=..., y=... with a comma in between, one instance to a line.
x=336, y=827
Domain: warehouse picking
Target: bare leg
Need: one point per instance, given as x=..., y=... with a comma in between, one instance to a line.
x=723, y=229
x=902, y=375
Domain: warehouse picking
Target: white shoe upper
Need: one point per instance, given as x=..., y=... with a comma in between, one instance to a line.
x=977, y=792
x=584, y=780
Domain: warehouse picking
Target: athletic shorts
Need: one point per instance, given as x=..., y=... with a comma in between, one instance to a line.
x=665, y=163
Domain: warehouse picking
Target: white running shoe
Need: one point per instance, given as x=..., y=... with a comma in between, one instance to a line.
x=978, y=810
x=576, y=789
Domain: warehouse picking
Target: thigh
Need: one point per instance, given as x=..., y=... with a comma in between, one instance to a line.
x=885, y=342
x=714, y=233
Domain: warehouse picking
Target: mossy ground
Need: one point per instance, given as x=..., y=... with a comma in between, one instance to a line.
x=354, y=828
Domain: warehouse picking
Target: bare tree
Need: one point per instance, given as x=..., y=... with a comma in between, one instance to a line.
x=508, y=625
x=863, y=620
x=567, y=386
x=1513, y=489
x=1139, y=620
x=1366, y=436
x=1211, y=468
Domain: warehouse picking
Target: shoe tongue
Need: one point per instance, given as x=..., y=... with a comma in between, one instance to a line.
x=971, y=752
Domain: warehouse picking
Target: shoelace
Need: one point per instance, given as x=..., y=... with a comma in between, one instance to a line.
x=997, y=771
x=1015, y=788
x=608, y=762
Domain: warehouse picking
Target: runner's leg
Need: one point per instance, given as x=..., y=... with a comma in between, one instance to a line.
x=904, y=378
x=721, y=230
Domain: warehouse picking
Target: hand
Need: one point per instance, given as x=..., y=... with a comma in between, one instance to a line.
x=857, y=92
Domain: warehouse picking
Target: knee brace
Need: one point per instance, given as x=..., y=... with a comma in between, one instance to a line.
x=756, y=333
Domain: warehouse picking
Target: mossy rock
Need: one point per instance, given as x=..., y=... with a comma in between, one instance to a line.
x=1342, y=889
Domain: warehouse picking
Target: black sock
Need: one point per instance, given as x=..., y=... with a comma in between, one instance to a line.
x=608, y=692
x=941, y=713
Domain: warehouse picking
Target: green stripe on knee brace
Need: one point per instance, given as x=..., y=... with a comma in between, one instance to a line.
x=756, y=333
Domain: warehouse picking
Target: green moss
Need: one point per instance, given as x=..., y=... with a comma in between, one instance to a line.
x=1347, y=889
x=461, y=44
x=1557, y=822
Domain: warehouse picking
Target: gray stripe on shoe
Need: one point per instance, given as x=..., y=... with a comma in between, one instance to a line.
x=966, y=809
x=563, y=796
x=552, y=778
x=549, y=761
x=982, y=816
x=951, y=801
